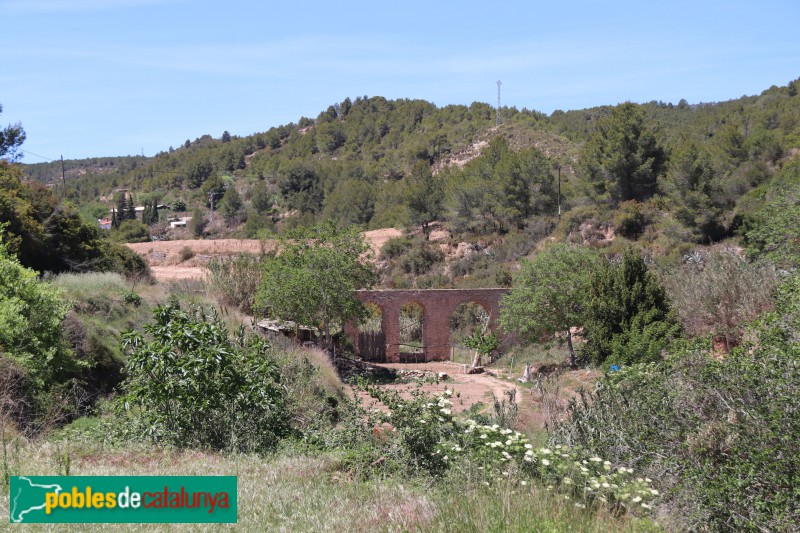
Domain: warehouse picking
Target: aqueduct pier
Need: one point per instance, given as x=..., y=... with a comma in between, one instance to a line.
x=438, y=305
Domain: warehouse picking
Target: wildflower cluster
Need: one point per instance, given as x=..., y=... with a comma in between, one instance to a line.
x=438, y=440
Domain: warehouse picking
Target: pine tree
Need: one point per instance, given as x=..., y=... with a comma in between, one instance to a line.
x=154, y=213
x=130, y=211
x=121, y=207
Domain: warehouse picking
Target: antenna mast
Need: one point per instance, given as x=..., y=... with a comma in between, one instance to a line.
x=499, y=83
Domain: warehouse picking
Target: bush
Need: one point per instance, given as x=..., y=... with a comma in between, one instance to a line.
x=628, y=317
x=235, y=281
x=421, y=435
x=131, y=231
x=718, y=436
x=631, y=219
x=420, y=258
x=394, y=248
x=719, y=292
x=189, y=383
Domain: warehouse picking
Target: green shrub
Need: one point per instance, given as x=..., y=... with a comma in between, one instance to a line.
x=131, y=231
x=718, y=436
x=235, y=281
x=627, y=317
x=394, y=248
x=189, y=383
x=130, y=297
x=631, y=219
x=420, y=258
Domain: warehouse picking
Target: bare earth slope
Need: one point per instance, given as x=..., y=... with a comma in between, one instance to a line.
x=164, y=257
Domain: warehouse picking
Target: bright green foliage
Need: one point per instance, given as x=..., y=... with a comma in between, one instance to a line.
x=720, y=435
x=550, y=294
x=31, y=313
x=623, y=159
x=773, y=232
x=627, y=315
x=131, y=231
x=500, y=189
x=190, y=384
x=312, y=277
x=425, y=197
x=483, y=343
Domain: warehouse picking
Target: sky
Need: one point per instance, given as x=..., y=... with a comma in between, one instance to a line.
x=91, y=78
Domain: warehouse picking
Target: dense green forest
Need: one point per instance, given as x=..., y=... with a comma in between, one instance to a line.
x=668, y=175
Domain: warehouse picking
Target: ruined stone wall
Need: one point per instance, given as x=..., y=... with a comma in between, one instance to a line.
x=438, y=306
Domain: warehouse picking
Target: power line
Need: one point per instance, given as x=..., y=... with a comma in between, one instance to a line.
x=497, y=118
x=50, y=159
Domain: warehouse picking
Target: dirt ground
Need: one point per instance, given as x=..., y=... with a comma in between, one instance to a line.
x=468, y=389
x=536, y=405
x=164, y=257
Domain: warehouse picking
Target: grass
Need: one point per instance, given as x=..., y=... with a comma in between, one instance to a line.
x=290, y=492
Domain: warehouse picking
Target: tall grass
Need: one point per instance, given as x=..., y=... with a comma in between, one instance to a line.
x=300, y=493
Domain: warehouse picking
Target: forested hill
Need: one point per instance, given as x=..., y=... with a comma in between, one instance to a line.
x=408, y=163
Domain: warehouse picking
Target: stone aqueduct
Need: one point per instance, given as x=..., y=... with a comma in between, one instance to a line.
x=438, y=305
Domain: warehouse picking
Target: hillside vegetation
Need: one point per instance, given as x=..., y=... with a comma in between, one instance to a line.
x=651, y=252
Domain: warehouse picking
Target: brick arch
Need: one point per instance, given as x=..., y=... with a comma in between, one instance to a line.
x=438, y=306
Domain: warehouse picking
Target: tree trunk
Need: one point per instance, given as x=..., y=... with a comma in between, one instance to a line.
x=328, y=342
x=572, y=364
x=477, y=361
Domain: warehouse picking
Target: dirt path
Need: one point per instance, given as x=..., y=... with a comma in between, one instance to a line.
x=468, y=389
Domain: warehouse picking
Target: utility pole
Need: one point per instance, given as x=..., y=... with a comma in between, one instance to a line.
x=63, y=180
x=559, y=192
x=497, y=116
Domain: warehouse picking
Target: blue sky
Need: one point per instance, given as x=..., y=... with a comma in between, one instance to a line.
x=115, y=77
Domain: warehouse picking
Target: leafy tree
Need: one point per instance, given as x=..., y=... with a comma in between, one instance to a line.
x=312, y=276
x=425, y=197
x=351, y=202
x=627, y=314
x=48, y=235
x=622, y=158
x=132, y=231
x=226, y=137
x=11, y=138
x=500, y=189
x=690, y=184
x=231, y=205
x=195, y=384
x=31, y=313
x=772, y=232
x=198, y=172
x=198, y=223
x=549, y=294
x=483, y=344
x=260, y=199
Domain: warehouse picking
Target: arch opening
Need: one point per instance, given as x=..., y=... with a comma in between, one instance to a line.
x=412, y=333
x=371, y=337
x=467, y=319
